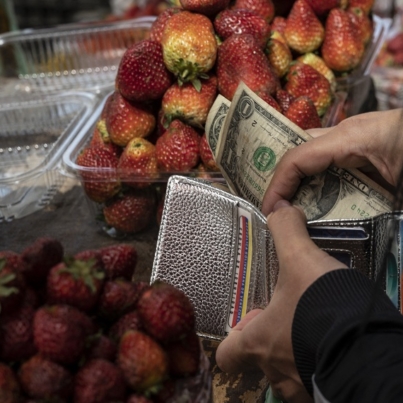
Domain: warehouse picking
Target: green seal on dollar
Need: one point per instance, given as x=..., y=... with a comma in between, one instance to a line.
x=264, y=159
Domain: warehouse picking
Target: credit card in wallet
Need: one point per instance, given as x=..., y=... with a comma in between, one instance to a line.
x=334, y=233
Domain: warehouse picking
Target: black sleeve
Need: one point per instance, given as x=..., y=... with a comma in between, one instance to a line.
x=356, y=354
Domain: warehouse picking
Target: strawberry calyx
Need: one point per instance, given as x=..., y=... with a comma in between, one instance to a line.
x=187, y=71
x=5, y=279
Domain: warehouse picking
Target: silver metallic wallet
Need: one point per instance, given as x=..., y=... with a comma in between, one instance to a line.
x=216, y=248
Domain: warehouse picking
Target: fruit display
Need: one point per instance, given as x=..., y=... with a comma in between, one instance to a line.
x=78, y=329
x=152, y=124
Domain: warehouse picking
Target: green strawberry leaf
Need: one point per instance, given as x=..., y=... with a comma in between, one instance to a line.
x=197, y=84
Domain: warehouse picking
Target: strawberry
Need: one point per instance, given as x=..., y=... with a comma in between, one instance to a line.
x=178, y=148
x=303, y=31
x=119, y=260
x=303, y=113
x=284, y=99
x=60, y=332
x=166, y=312
x=189, y=46
x=271, y=101
x=142, y=75
x=101, y=346
x=10, y=391
x=302, y=79
x=98, y=173
x=395, y=44
x=129, y=321
x=322, y=7
x=319, y=65
x=206, y=155
x=365, y=5
x=78, y=282
x=130, y=212
x=278, y=24
x=242, y=21
x=184, y=102
x=363, y=23
x=279, y=55
x=99, y=381
x=142, y=360
x=100, y=138
x=240, y=58
x=41, y=256
x=207, y=7
x=44, y=379
x=342, y=48
x=158, y=26
x=138, y=163
x=264, y=8
x=126, y=120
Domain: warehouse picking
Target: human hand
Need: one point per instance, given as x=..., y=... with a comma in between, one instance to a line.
x=371, y=142
x=262, y=339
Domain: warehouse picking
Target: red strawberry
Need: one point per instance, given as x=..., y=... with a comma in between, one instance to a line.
x=129, y=321
x=279, y=55
x=100, y=138
x=264, y=8
x=142, y=360
x=284, y=99
x=206, y=155
x=131, y=212
x=365, y=5
x=119, y=260
x=242, y=21
x=10, y=391
x=184, y=356
x=166, y=312
x=142, y=75
x=363, y=23
x=77, y=283
x=101, y=347
x=40, y=257
x=240, y=58
x=99, y=381
x=189, y=46
x=303, y=31
x=138, y=163
x=126, y=120
x=271, y=101
x=395, y=44
x=45, y=379
x=303, y=113
x=60, y=332
x=100, y=181
x=278, y=24
x=158, y=26
x=186, y=103
x=178, y=148
x=322, y=7
x=342, y=49
x=302, y=79
x=206, y=7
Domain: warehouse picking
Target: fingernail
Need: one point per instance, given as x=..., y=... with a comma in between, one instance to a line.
x=280, y=204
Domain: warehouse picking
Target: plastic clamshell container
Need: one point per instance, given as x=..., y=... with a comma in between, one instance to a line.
x=72, y=56
x=34, y=133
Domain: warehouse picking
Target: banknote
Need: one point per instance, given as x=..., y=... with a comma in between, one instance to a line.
x=250, y=138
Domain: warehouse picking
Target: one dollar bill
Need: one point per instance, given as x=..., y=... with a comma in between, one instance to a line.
x=248, y=138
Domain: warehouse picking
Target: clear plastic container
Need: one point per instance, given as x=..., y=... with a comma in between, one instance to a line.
x=34, y=133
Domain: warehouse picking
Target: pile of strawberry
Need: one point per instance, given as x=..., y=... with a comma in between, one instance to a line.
x=77, y=329
x=391, y=54
x=154, y=121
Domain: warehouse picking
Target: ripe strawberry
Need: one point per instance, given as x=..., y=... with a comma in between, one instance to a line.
x=99, y=381
x=60, y=332
x=363, y=23
x=129, y=321
x=206, y=155
x=342, y=49
x=322, y=7
x=40, y=257
x=303, y=31
x=101, y=346
x=240, y=58
x=166, y=312
x=10, y=391
x=395, y=44
x=142, y=360
x=142, y=75
x=279, y=55
x=278, y=24
x=184, y=102
x=178, y=148
x=158, y=26
x=302, y=79
x=126, y=120
x=264, y=8
x=130, y=212
x=242, y=21
x=77, y=282
x=189, y=46
x=284, y=99
x=138, y=163
x=184, y=356
x=100, y=181
x=207, y=7
x=119, y=260
x=365, y=5
x=303, y=113
x=271, y=101
x=44, y=379
x=100, y=138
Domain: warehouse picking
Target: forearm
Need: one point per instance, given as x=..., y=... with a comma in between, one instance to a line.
x=348, y=365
